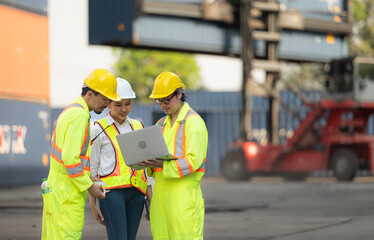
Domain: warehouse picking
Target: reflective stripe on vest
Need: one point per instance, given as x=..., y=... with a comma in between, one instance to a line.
x=78, y=169
x=122, y=176
x=183, y=164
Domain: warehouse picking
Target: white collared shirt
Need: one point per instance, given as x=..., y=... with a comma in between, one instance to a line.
x=103, y=158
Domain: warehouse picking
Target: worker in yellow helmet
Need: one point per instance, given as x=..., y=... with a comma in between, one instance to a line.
x=177, y=206
x=69, y=173
x=121, y=210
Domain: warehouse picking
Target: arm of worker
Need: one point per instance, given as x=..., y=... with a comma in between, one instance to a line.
x=96, y=211
x=95, y=163
x=71, y=149
x=196, y=138
x=148, y=200
x=150, y=184
x=95, y=153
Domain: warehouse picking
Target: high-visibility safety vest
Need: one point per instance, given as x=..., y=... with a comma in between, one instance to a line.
x=69, y=174
x=74, y=170
x=122, y=176
x=177, y=208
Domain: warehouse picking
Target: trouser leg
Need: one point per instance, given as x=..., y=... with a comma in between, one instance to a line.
x=134, y=210
x=114, y=213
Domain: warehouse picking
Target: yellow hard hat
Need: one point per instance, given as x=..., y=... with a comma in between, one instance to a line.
x=165, y=84
x=104, y=82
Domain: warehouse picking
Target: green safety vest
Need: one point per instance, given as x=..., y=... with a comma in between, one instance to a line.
x=122, y=176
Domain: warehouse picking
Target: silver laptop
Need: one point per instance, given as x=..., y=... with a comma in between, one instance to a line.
x=145, y=143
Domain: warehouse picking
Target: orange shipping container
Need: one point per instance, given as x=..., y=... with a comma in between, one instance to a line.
x=24, y=63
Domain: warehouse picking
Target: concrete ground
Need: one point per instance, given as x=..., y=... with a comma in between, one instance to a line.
x=262, y=209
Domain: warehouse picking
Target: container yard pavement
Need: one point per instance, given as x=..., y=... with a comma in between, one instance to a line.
x=261, y=209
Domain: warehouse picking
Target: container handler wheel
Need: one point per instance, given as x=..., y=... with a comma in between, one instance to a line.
x=344, y=164
x=233, y=166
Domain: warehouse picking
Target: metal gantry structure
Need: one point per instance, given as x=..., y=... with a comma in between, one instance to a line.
x=264, y=20
x=271, y=35
x=261, y=32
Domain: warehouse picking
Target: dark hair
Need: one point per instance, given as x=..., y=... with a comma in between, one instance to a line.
x=183, y=98
x=86, y=89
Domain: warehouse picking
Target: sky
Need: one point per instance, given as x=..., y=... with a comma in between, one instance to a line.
x=72, y=59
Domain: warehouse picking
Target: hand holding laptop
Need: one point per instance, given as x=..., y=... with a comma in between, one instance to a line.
x=147, y=143
x=158, y=163
x=168, y=157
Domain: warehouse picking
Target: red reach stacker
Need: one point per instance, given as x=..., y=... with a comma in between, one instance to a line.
x=332, y=137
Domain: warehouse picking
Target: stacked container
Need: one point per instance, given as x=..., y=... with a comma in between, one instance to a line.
x=24, y=91
x=114, y=23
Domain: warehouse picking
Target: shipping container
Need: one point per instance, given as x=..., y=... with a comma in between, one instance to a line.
x=311, y=9
x=320, y=10
x=24, y=142
x=197, y=36
x=307, y=46
x=24, y=64
x=123, y=28
x=35, y=6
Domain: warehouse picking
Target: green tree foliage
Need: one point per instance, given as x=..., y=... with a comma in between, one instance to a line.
x=141, y=67
x=306, y=76
x=361, y=43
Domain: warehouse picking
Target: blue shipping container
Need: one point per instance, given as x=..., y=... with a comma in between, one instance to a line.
x=24, y=142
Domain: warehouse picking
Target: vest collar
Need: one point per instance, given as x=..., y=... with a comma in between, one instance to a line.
x=181, y=115
x=82, y=102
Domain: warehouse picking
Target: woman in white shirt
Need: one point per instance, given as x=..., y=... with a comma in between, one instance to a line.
x=120, y=211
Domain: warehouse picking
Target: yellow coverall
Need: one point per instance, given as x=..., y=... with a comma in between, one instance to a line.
x=177, y=207
x=69, y=174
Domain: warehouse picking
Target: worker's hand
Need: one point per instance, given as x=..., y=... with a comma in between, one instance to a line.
x=96, y=211
x=153, y=163
x=97, y=191
x=95, y=179
x=98, y=215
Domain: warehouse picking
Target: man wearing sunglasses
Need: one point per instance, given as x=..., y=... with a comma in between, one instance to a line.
x=177, y=207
